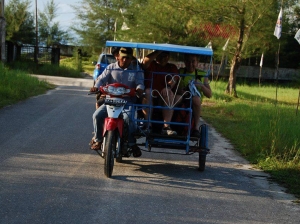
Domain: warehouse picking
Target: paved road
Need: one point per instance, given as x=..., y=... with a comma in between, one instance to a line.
x=49, y=175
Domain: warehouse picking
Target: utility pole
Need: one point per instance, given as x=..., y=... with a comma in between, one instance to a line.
x=2, y=32
x=36, y=49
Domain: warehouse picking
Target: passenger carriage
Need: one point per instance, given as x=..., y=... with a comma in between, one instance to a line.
x=183, y=143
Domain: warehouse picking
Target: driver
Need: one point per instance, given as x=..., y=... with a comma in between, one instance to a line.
x=122, y=71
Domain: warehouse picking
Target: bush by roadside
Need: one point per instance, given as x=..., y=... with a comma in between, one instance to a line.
x=45, y=69
x=17, y=85
x=264, y=130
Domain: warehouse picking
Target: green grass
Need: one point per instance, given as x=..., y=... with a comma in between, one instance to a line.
x=17, y=85
x=88, y=66
x=264, y=130
x=45, y=69
x=86, y=63
x=68, y=67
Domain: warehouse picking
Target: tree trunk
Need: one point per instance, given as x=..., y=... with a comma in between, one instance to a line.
x=2, y=39
x=236, y=60
x=231, y=85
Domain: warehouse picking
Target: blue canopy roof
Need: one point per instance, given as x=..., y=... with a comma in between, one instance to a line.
x=162, y=47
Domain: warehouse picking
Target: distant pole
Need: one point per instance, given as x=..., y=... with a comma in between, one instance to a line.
x=260, y=65
x=115, y=31
x=36, y=52
x=297, y=37
x=298, y=102
x=2, y=32
x=212, y=70
x=222, y=61
x=259, y=77
x=277, y=72
x=277, y=33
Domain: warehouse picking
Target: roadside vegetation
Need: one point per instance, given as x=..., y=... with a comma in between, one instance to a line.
x=84, y=65
x=68, y=67
x=66, y=70
x=264, y=130
x=17, y=85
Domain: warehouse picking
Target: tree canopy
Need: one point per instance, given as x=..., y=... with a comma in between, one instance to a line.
x=20, y=23
x=49, y=31
x=247, y=24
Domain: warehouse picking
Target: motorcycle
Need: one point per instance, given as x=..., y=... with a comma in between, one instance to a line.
x=115, y=139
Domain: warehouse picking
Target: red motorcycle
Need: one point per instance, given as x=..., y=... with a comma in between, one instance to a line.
x=115, y=132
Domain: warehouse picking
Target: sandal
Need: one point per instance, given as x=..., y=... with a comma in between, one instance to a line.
x=92, y=141
x=136, y=151
x=96, y=146
x=196, y=133
x=146, y=129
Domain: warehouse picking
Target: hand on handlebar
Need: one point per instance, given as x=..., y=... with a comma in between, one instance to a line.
x=140, y=93
x=94, y=89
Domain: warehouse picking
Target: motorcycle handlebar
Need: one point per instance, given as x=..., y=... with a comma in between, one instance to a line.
x=91, y=93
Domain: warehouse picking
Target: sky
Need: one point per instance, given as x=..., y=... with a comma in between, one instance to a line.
x=65, y=14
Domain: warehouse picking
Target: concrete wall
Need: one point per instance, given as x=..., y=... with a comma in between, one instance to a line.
x=252, y=72
x=268, y=73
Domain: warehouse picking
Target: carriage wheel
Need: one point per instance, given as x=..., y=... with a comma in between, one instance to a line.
x=203, y=145
x=202, y=160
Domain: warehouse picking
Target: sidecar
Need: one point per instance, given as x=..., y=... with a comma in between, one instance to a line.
x=183, y=142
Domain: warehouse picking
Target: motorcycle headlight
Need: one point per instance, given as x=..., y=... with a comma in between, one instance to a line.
x=117, y=90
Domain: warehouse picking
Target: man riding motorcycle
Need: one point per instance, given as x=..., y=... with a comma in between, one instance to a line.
x=122, y=71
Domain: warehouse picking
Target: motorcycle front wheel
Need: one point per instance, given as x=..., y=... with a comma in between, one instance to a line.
x=109, y=152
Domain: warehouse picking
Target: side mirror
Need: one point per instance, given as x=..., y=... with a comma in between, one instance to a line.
x=94, y=62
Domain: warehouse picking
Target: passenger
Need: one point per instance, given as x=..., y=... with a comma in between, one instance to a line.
x=151, y=66
x=123, y=72
x=191, y=61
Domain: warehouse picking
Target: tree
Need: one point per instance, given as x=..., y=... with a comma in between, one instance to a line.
x=290, y=51
x=255, y=22
x=159, y=21
x=20, y=23
x=100, y=20
x=249, y=24
x=49, y=30
x=252, y=21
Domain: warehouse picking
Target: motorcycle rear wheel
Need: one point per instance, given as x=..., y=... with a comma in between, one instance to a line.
x=109, y=152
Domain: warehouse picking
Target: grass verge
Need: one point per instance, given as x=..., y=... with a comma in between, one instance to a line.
x=45, y=69
x=264, y=130
x=17, y=85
